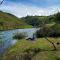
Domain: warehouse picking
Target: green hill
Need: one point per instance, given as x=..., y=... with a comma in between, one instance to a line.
x=9, y=21
x=40, y=21
x=36, y=21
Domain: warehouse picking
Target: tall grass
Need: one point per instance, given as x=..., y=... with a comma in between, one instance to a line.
x=19, y=35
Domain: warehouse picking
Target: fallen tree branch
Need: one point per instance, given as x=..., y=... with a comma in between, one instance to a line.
x=51, y=43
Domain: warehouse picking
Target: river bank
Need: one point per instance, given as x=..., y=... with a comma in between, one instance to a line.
x=39, y=49
x=6, y=37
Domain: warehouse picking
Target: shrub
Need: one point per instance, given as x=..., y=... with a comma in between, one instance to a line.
x=47, y=31
x=43, y=32
x=19, y=36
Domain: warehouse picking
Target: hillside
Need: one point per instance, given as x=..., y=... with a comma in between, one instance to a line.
x=9, y=21
x=36, y=21
x=39, y=21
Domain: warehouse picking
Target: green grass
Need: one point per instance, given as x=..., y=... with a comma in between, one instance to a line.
x=40, y=49
x=9, y=21
x=51, y=24
x=56, y=27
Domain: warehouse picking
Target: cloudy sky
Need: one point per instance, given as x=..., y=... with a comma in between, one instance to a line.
x=22, y=8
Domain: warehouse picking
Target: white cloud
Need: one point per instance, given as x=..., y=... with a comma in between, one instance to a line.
x=22, y=10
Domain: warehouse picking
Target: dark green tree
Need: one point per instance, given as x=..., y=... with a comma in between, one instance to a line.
x=32, y=20
x=57, y=17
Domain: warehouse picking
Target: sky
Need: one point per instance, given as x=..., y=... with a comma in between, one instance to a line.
x=22, y=8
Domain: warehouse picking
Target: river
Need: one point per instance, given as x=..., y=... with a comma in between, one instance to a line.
x=6, y=37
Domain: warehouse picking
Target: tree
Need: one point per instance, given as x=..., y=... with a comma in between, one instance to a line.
x=32, y=20
x=57, y=17
x=45, y=32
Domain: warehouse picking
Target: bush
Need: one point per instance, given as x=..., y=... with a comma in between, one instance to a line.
x=19, y=36
x=48, y=32
x=43, y=32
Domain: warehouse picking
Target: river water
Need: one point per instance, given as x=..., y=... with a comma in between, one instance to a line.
x=6, y=37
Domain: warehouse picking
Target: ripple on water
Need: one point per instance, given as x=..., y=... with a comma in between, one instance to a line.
x=7, y=40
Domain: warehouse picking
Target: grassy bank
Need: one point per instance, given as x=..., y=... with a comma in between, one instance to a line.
x=16, y=27
x=9, y=21
x=40, y=49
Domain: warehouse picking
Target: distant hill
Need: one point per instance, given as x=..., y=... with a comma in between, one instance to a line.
x=9, y=21
x=52, y=21
x=36, y=21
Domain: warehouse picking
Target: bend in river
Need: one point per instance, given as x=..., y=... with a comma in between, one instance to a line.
x=6, y=37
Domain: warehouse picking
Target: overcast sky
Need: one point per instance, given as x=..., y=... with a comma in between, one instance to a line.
x=22, y=8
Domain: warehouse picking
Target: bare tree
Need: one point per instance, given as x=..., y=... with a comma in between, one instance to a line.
x=1, y=2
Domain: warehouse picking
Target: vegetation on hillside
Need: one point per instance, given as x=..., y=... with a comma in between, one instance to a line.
x=45, y=48
x=52, y=29
x=19, y=35
x=9, y=21
x=36, y=21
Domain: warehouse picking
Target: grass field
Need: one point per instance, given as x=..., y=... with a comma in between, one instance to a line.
x=40, y=49
x=9, y=21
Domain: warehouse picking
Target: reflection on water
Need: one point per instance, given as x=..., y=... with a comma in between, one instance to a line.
x=6, y=39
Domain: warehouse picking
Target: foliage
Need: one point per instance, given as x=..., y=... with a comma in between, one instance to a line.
x=48, y=32
x=52, y=29
x=19, y=35
x=32, y=20
x=38, y=21
x=40, y=49
x=57, y=17
x=9, y=21
x=35, y=21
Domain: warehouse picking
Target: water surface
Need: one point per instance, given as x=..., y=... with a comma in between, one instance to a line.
x=6, y=37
